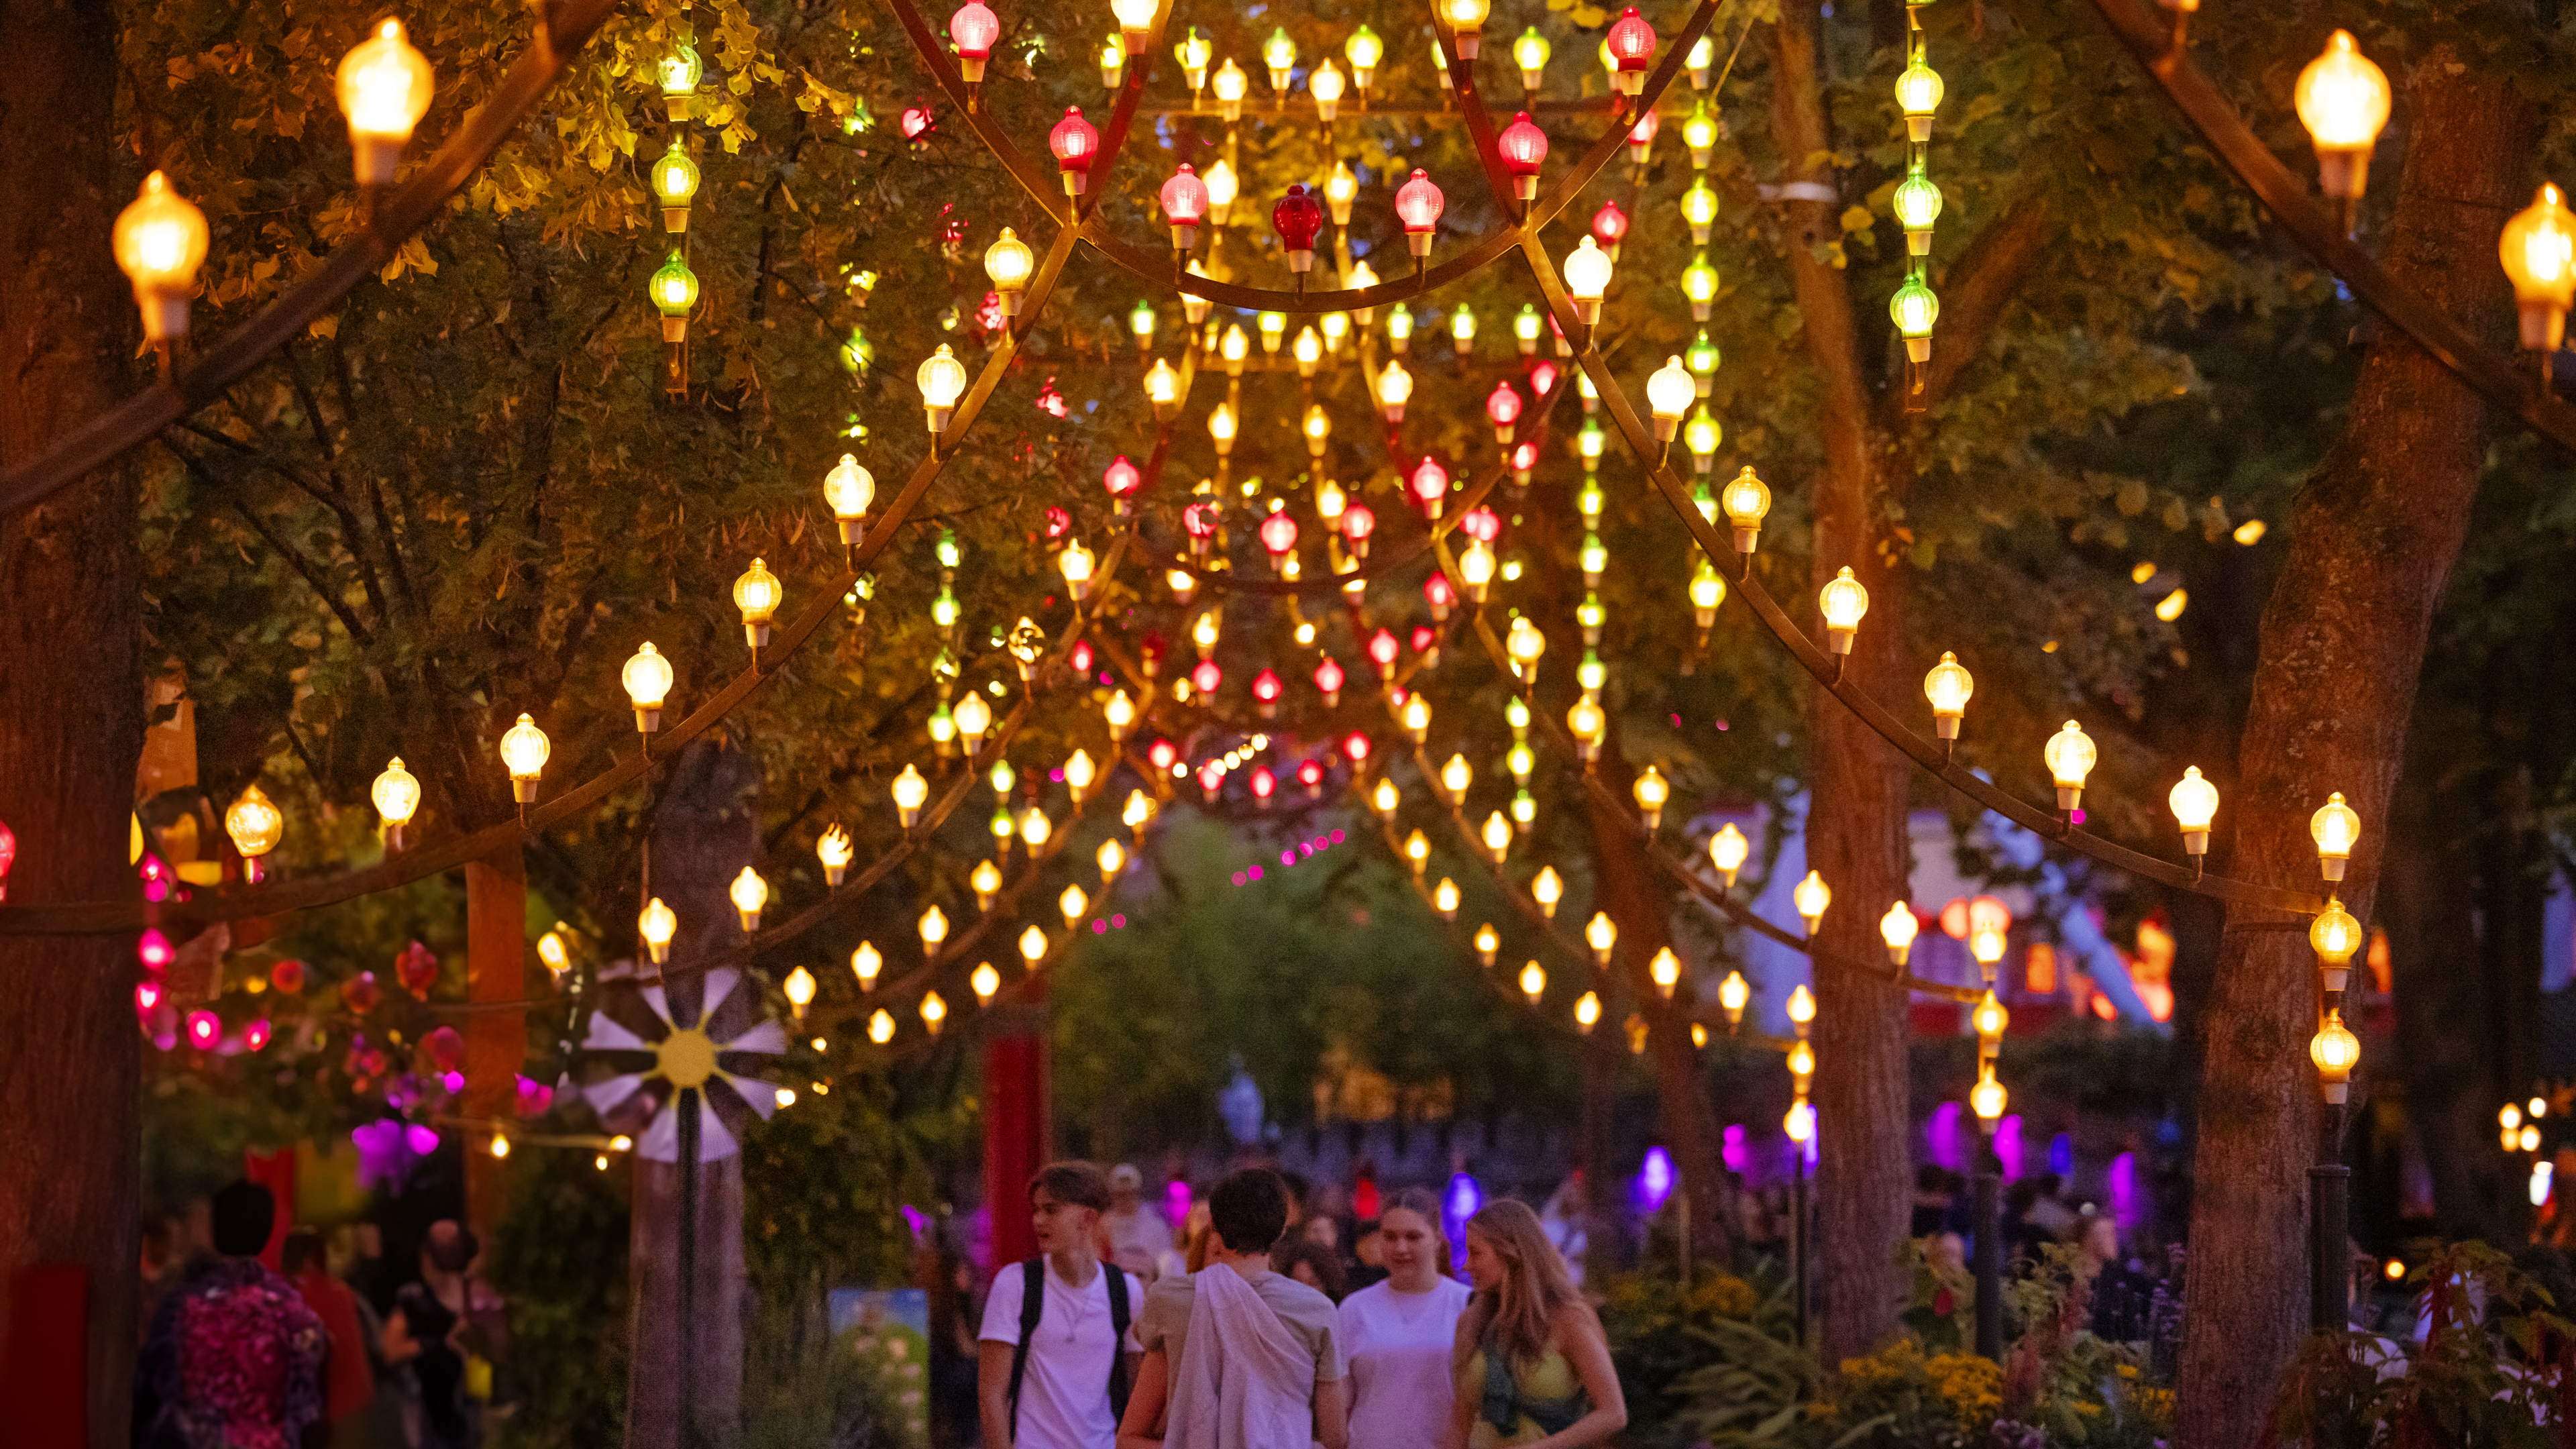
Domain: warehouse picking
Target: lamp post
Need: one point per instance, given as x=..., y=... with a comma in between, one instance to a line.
x=1987, y=1100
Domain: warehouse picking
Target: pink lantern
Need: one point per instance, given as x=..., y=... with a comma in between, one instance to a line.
x=1609, y=224
x=1418, y=204
x=1430, y=485
x=1075, y=142
x=1481, y=522
x=1358, y=522
x=204, y=1029
x=1355, y=747
x=1328, y=680
x=1206, y=677
x=1503, y=409
x=1122, y=479
x=1264, y=784
x=1299, y=218
x=1266, y=689
x=1442, y=595
x=256, y=1035
x=1641, y=137
x=974, y=28
x=1279, y=534
x=1185, y=202
x=1382, y=648
x=1524, y=150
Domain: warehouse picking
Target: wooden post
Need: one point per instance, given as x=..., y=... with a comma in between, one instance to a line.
x=496, y=1042
x=1015, y=1125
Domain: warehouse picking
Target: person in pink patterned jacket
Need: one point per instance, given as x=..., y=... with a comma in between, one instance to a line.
x=234, y=1357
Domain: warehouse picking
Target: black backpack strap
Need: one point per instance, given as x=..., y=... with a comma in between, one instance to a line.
x=1118, y=1385
x=1032, y=1304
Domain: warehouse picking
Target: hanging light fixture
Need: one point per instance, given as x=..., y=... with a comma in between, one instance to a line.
x=647, y=678
x=160, y=242
x=385, y=86
x=396, y=794
x=524, y=748
x=2343, y=100
x=1811, y=898
x=657, y=925
x=942, y=380
x=2336, y=829
x=2070, y=756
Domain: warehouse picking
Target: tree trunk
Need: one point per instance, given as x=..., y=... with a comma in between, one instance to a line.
x=2373, y=536
x=496, y=1041
x=2448, y=1064
x=1641, y=904
x=1856, y=835
x=71, y=721
x=706, y=831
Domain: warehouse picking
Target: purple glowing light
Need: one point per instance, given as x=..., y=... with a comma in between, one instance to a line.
x=1654, y=1180
x=1733, y=1151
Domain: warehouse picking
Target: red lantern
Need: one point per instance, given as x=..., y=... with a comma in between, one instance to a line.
x=8, y=855
x=1279, y=534
x=1075, y=142
x=1163, y=754
x=1503, y=407
x=1211, y=776
x=417, y=969
x=147, y=997
x=1264, y=784
x=1442, y=594
x=1199, y=520
x=1481, y=523
x=1430, y=484
x=1418, y=204
x=1609, y=224
x=916, y=121
x=1328, y=681
x=1383, y=648
x=1524, y=461
x=362, y=995
x=1311, y=775
x=974, y=27
x=1358, y=522
x=446, y=1048
x=1299, y=218
x=1081, y=656
x=1206, y=677
x=1355, y=747
x=1059, y=520
x=256, y=1035
x=1425, y=638
x=1266, y=689
x=1122, y=479
x=287, y=977
x=1524, y=149
x=154, y=949
x=1185, y=201
x=1632, y=47
x=1641, y=137
x=204, y=1029
x=1542, y=376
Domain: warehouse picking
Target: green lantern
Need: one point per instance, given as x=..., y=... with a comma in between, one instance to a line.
x=1399, y=329
x=1596, y=560
x=1591, y=674
x=1917, y=205
x=1699, y=283
x=1699, y=208
x=1590, y=442
x=679, y=72
x=858, y=352
x=1702, y=435
x=674, y=290
x=1702, y=358
x=1700, y=133
x=1588, y=502
x=675, y=182
x=1526, y=329
x=1591, y=616
x=1914, y=309
x=1141, y=321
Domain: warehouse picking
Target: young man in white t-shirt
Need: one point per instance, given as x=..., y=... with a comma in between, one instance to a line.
x=1058, y=1378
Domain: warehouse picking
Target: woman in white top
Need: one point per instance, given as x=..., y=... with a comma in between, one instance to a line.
x=1397, y=1335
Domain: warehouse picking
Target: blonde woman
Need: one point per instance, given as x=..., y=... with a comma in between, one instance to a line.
x=1532, y=1366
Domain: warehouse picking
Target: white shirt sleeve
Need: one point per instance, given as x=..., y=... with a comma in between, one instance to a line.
x=1002, y=1306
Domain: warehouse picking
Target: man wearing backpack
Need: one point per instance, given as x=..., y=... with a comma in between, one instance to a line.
x=1057, y=1351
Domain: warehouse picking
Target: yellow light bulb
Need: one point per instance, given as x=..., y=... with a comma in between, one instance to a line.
x=1733, y=994
x=934, y=929
x=1488, y=942
x=2070, y=756
x=757, y=594
x=647, y=678
x=1652, y=792
x=1745, y=501
x=385, y=87
x=867, y=963
x=160, y=242
x=2336, y=1051
x=1727, y=850
x=1498, y=835
x=1898, y=929
x=1811, y=898
x=881, y=1026
x=986, y=981
x=934, y=1010
x=396, y=794
x=799, y=987
x=1990, y=1020
x=524, y=748
x=1533, y=982
x=2195, y=802
x=1987, y=1099
x=2336, y=938
x=1547, y=888
x=2336, y=829
x=1948, y=687
x=255, y=825
x=1601, y=934
x=1666, y=970
x=657, y=924
x=2343, y=100
x=1455, y=777
x=1385, y=798
x=1844, y=601
x=1444, y=899
x=834, y=850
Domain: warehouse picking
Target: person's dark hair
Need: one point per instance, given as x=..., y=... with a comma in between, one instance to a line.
x=452, y=1252
x=1300, y=1191
x=244, y=1214
x=1075, y=1184
x=1326, y=1263
x=1249, y=1210
x=303, y=1246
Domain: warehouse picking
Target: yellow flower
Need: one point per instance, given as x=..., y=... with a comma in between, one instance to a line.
x=1972, y=1387
x=1725, y=1296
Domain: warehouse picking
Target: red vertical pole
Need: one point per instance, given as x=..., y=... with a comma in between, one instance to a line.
x=1015, y=1136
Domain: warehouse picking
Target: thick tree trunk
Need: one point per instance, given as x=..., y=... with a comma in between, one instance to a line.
x=705, y=832
x=71, y=722
x=1641, y=904
x=2374, y=533
x=1856, y=817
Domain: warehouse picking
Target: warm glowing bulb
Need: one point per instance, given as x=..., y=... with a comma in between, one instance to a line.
x=1652, y=791
x=2538, y=250
x=1898, y=928
x=1745, y=501
x=2336, y=829
x=524, y=748
x=1728, y=850
x=1666, y=970
x=254, y=824
x=396, y=794
x=2343, y=100
x=1547, y=888
x=2336, y=938
x=2336, y=1051
x=1987, y=1099
x=2194, y=802
x=749, y=893
x=799, y=988
x=757, y=595
x=1948, y=687
x=657, y=924
x=1811, y=898
x=1802, y=1008
x=1533, y=982
x=385, y=87
x=647, y=679
x=2070, y=756
x=910, y=790
x=1844, y=602
x=1601, y=934
x=867, y=963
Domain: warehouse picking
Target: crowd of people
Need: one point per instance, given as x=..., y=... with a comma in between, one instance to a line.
x=1244, y=1331
x=239, y=1355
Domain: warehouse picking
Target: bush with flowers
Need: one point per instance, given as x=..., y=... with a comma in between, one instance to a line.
x=1697, y=1376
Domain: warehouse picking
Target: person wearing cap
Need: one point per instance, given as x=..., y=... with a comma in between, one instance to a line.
x=1138, y=1236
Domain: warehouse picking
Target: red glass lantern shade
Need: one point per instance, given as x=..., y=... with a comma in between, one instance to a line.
x=1524, y=149
x=1632, y=47
x=1299, y=219
x=1206, y=677
x=1264, y=784
x=1355, y=747
x=1199, y=520
x=1542, y=378
x=1641, y=137
x=1328, y=680
x=1075, y=142
x=1279, y=534
x=1524, y=462
x=1418, y=204
x=1311, y=775
x=1441, y=594
x=1382, y=648
x=1163, y=754
x=1481, y=523
x=1122, y=479
x=1430, y=484
x=1503, y=406
x=1358, y=522
x=1185, y=202
x=974, y=28
x=1266, y=690
x=916, y=121
x=1609, y=225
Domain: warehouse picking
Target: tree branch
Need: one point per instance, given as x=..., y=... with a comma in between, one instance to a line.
x=309, y=571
